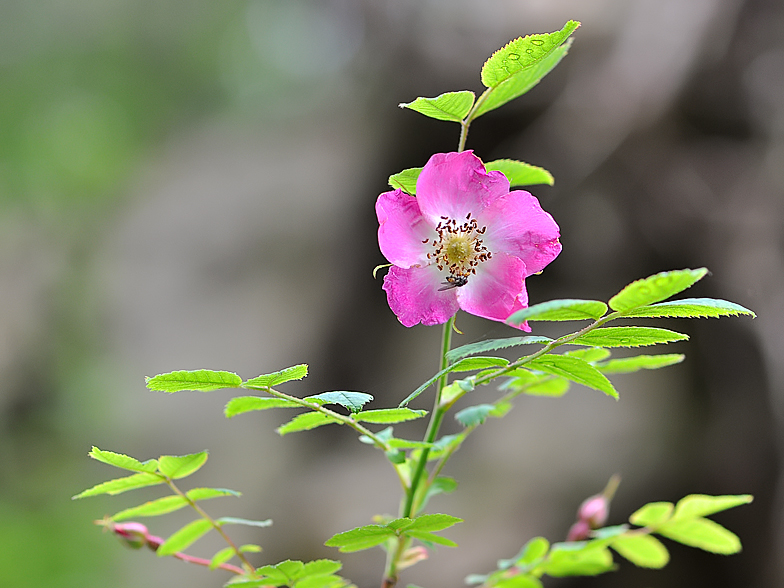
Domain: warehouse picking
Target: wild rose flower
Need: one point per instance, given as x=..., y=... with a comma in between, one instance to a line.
x=464, y=242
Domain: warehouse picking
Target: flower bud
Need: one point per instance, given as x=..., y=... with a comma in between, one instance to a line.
x=134, y=535
x=579, y=531
x=594, y=511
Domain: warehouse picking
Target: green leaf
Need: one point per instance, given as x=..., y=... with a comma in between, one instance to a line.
x=520, y=173
x=474, y=415
x=691, y=308
x=578, y=559
x=125, y=462
x=222, y=556
x=250, y=548
x=643, y=551
x=702, y=533
x=431, y=538
x=554, y=387
x=199, y=380
x=453, y=106
x=242, y=404
x=354, y=401
x=533, y=551
x=406, y=180
x=388, y=415
x=574, y=369
x=441, y=485
x=627, y=337
x=246, y=522
x=701, y=505
x=493, y=344
x=655, y=288
x=296, y=372
x=185, y=537
x=560, y=310
x=590, y=355
x=470, y=364
x=627, y=365
x=321, y=567
x=305, y=422
x=180, y=466
x=360, y=538
x=321, y=581
x=652, y=514
x=120, y=485
x=153, y=508
x=205, y=493
x=433, y=522
x=519, y=581
x=406, y=444
x=516, y=68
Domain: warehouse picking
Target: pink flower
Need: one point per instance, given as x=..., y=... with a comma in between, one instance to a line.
x=464, y=242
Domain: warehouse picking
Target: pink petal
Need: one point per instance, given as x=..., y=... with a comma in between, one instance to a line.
x=414, y=297
x=454, y=184
x=497, y=290
x=402, y=229
x=516, y=224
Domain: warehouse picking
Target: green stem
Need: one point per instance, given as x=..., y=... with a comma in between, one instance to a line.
x=212, y=522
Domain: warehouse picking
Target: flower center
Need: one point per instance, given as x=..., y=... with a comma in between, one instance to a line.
x=458, y=249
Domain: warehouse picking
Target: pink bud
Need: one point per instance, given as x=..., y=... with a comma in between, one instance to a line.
x=579, y=531
x=594, y=511
x=412, y=556
x=134, y=535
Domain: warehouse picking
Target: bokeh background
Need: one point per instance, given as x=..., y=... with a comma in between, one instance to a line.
x=191, y=184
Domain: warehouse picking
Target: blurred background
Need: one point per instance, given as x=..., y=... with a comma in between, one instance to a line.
x=191, y=185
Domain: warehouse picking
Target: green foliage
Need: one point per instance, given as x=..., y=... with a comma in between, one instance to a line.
x=422, y=528
x=644, y=551
x=185, y=537
x=560, y=310
x=123, y=461
x=389, y=415
x=246, y=522
x=353, y=401
x=222, y=556
x=120, y=485
x=520, y=173
x=494, y=344
x=627, y=337
x=315, y=574
x=181, y=466
x=627, y=365
x=691, y=308
x=243, y=404
x=517, y=67
x=265, y=381
x=655, y=288
x=406, y=180
x=452, y=106
x=199, y=380
x=169, y=504
x=305, y=422
x=576, y=370
x=474, y=415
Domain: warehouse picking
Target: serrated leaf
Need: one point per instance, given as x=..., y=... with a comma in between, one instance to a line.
x=577, y=559
x=125, y=462
x=493, y=344
x=406, y=180
x=574, y=369
x=628, y=337
x=560, y=310
x=652, y=514
x=702, y=505
x=296, y=372
x=433, y=522
x=360, y=538
x=120, y=485
x=554, y=387
x=321, y=567
x=320, y=581
x=655, y=288
x=305, y=422
x=388, y=415
x=474, y=415
x=441, y=485
x=152, y=508
x=628, y=365
x=643, y=551
x=519, y=581
x=181, y=466
x=691, y=308
x=185, y=537
x=520, y=173
x=246, y=522
x=452, y=106
x=591, y=355
x=353, y=401
x=430, y=538
x=243, y=404
x=520, y=65
x=222, y=556
x=198, y=380
x=702, y=533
